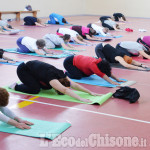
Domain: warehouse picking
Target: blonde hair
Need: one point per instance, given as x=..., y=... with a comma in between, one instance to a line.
x=80, y=38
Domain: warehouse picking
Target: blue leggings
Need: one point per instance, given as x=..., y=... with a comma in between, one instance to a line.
x=22, y=48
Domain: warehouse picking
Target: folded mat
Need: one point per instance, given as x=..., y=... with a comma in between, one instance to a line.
x=14, y=50
x=14, y=64
x=96, y=80
x=40, y=129
x=119, y=36
x=52, y=94
x=117, y=65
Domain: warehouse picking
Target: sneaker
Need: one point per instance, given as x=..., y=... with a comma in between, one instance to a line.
x=12, y=86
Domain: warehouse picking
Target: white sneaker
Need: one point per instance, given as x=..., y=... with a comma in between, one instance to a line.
x=12, y=86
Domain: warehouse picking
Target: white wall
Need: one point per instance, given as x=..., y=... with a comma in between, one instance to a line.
x=131, y=8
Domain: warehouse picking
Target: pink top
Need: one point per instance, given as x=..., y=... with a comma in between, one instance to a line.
x=146, y=39
x=85, y=30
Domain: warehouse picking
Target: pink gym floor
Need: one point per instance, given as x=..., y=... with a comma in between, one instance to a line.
x=116, y=118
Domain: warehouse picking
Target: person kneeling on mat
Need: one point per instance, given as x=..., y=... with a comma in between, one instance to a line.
x=57, y=19
x=33, y=21
x=112, y=55
x=134, y=48
x=8, y=116
x=83, y=66
x=36, y=75
x=30, y=45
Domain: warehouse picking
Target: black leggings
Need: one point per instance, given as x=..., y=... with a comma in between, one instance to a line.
x=30, y=84
x=139, y=40
x=107, y=26
x=72, y=71
x=99, y=52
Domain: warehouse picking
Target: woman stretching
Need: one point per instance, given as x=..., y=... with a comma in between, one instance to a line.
x=33, y=21
x=83, y=66
x=8, y=116
x=57, y=19
x=134, y=48
x=112, y=55
x=30, y=45
x=74, y=36
x=36, y=75
x=86, y=33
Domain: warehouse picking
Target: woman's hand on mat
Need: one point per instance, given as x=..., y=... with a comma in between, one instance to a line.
x=85, y=100
x=140, y=68
x=120, y=80
x=24, y=121
x=22, y=126
x=144, y=66
x=115, y=83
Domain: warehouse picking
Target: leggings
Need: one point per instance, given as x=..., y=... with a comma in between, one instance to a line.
x=22, y=48
x=30, y=84
x=72, y=71
x=99, y=51
x=107, y=26
x=139, y=40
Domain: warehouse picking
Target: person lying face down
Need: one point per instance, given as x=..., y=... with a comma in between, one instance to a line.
x=74, y=36
x=33, y=21
x=134, y=48
x=36, y=75
x=122, y=56
x=7, y=115
x=79, y=66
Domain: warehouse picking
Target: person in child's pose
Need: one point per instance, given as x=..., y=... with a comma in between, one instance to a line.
x=33, y=21
x=122, y=56
x=8, y=116
x=57, y=19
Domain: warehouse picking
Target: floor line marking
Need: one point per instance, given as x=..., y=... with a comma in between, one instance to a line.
x=25, y=103
x=89, y=111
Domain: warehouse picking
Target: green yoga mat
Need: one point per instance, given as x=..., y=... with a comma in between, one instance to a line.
x=52, y=94
x=40, y=129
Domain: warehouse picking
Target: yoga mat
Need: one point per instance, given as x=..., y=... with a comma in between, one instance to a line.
x=117, y=65
x=140, y=59
x=14, y=64
x=74, y=43
x=14, y=50
x=62, y=49
x=102, y=40
x=61, y=24
x=52, y=94
x=96, y=80
x=40, y=129
x=119, y=36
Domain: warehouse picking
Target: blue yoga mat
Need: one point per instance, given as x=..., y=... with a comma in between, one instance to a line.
x=96, y=80
x=14, y=64
x=14, y=50
x=40, y=129
x=119, y=36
